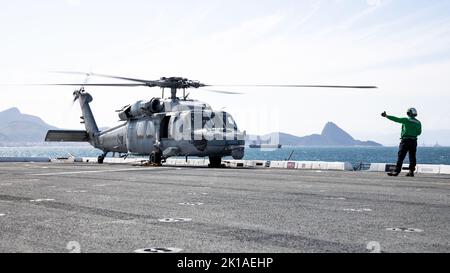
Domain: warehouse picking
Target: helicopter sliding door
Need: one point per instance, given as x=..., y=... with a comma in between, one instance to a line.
x=164, y=128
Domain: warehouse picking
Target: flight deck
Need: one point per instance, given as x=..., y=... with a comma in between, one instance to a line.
x=83, y=207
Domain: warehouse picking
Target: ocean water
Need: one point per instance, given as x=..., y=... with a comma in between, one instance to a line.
x=354, y=155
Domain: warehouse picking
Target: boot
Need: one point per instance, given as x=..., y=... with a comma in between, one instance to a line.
x=410, y=174
x=393, y=173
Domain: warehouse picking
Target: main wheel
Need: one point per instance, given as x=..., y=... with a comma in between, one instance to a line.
x=215, y=161
x=100, y=159
x=155, y=158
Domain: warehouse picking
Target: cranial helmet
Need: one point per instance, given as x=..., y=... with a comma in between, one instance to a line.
x=412, y=112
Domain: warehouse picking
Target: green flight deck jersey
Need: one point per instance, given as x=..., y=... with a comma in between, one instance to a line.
x=411, y=127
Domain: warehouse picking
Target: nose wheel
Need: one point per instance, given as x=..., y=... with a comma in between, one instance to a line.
x=155, y=158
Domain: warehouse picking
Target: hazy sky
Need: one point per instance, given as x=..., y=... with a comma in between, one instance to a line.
x=402, y=46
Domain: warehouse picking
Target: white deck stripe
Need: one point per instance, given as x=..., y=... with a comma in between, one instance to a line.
x=100, y=171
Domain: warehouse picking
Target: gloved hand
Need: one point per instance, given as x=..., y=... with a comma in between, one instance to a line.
x=384, y=114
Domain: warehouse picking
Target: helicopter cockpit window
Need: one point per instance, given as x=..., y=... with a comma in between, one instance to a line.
x=208, y=122
x=218, y=120
x=230, y=123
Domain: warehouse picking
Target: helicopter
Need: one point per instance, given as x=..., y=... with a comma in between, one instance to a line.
x=163, y=127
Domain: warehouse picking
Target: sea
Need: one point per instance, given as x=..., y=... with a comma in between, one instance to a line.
x=354, y=155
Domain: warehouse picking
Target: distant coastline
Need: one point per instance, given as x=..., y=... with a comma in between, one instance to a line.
x=331, y=136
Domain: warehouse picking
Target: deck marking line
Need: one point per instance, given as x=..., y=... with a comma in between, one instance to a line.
x=96, y=171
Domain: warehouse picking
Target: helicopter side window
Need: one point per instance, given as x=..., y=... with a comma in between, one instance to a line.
x=179, y=127
x=141, y=128
x=150, y=129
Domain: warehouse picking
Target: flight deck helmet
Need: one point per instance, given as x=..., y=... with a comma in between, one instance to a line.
x=412, y=112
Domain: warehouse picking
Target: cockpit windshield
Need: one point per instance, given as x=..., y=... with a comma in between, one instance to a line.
x=218, y=120
x=197, y=120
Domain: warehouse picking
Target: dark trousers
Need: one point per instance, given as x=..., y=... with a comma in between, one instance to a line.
x=407, y=146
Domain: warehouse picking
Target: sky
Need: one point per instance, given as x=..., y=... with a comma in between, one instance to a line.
x=401, y=46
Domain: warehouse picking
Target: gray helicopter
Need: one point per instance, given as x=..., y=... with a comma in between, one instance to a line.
x=163, y=127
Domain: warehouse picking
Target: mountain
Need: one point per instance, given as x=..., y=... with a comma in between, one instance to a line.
x=21, y=128
x=336, y=136
x=331, y=136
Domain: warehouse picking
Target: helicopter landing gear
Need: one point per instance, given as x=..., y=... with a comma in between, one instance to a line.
x=215, y=162
x=155, y=158
x=101, y=158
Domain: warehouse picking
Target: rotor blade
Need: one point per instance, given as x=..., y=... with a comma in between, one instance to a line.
x=221, y=92
x=106, y=76
x=297, y=86
x=95, y=84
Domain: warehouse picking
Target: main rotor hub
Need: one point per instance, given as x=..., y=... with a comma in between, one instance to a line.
x=175, y=83
x=178, y=83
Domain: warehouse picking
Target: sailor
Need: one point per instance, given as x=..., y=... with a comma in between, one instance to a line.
x=411, y=129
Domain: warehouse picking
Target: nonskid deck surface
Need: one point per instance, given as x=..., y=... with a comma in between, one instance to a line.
x=121, y=208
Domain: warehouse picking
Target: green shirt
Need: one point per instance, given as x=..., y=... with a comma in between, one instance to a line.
x=411, y=127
